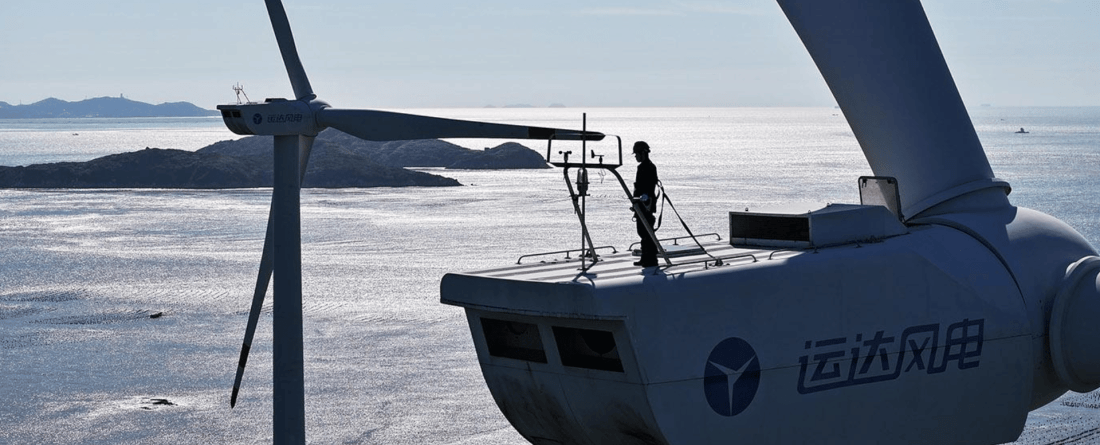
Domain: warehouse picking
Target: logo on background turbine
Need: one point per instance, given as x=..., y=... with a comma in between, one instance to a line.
x=731, y=376
x=257, y=119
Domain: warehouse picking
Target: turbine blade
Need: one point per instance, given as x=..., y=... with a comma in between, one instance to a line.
x=884, y=66
x=389, y=126
x=281, y=25
x=305, y=146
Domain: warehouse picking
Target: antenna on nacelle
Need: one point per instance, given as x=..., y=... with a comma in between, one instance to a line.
x=240, y=91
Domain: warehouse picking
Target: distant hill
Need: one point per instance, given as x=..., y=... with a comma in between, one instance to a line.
x=167, y=168
x=436, y=153
x=152, y=167
x=337, y=160
x=100, y=107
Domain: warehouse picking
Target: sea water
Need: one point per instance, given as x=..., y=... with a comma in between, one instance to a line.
x=82, y=272
x=38, y=141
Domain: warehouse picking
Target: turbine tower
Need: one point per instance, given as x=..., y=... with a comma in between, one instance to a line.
x=294, y=125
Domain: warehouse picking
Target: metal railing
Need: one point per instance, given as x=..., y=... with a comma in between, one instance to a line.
x=675, y=241
x=718, y=261
x=567, y=252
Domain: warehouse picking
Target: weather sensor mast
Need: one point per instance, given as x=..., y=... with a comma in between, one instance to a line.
x=240, y=91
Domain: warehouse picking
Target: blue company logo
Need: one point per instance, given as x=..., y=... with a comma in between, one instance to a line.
x=257, y=119
x=731, y=376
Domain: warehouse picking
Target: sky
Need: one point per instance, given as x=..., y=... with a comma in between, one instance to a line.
x=580, y=53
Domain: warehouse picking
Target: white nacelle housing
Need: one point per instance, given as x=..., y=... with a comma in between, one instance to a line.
x=275, y=117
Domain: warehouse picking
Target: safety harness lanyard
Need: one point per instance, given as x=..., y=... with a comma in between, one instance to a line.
x=665, y=198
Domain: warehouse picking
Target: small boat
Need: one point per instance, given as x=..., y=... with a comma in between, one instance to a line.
x=1021, y=131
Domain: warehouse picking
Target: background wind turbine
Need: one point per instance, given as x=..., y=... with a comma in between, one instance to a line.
x=295, y=124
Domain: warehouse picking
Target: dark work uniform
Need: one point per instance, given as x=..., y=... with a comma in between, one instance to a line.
x=645, y=183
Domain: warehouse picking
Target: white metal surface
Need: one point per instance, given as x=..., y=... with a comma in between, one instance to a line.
x=831, y=330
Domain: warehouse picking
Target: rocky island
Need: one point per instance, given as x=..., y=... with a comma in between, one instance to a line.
x=337, y=160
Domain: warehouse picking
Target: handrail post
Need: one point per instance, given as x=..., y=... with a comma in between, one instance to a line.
x=582, y=187
x=580, y=214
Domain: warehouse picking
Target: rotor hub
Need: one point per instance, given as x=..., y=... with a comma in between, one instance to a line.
x=1073, y=329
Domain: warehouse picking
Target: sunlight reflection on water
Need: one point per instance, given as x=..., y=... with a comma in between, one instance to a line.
x=83, y=271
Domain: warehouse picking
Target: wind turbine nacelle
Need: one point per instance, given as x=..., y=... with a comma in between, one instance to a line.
x=274, y=117
x=929, y=333
x=886, y=342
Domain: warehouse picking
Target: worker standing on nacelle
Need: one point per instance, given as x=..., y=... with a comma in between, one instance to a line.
x=645, y=185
